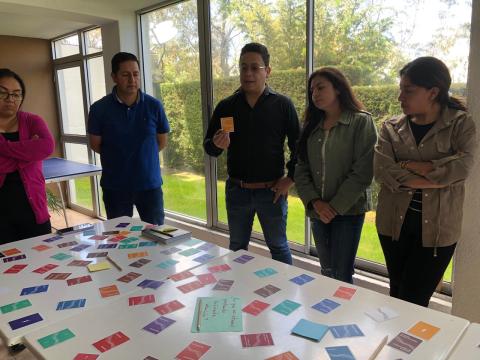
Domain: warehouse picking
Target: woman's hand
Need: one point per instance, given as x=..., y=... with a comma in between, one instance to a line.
x=324, y=211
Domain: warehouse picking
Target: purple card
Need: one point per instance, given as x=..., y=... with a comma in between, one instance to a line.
x=405, y=343
x=302, y=279
x=80, y=247
x=159, y=325
x=170, y=251
x=34, y=290
x=243, y=259
x=53, y=238
x=14, y=258
x=266, y=291
x=25, y=321
x=67, y=244
x=326, y=305
x=96, y=255
x=107, y=246
x=204, y=258
x=150, y=284
x=223, y=285
x=122, y=225
x=206, y=246
x=139, y=263
x=339, y=352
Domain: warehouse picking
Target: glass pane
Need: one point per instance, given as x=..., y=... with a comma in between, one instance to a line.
x=279, y=25
x=71, y=100
x=93, y=41
x=103, y=213
x=80, y=189
x=170, y=46
x=371, y=40
x=66, y=46
x=96, y=78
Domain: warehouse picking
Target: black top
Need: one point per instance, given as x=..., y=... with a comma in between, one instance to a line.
x=256, y=151
x=13, y=176
x=419, y=132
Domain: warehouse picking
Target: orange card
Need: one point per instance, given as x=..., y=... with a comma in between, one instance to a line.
x=284, y=356
x=227, y=124
x=11, y=252
x=137, y=255
x=423, y=330
x=108, y=291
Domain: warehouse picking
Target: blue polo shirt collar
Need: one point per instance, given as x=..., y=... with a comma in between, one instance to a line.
x=140, y=97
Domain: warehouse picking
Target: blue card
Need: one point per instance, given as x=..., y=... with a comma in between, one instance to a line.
x=71, y=304
x=25, y=321
x=80, y=247
x=343, y=331
x=326, y=305
x=204, y=258
x=286, y=307
x=206, y=246
x=302, y=279
x=53, y=238
x=192, y=242
x=167, y=263
x=151, y=284
x=89, y=232
x=310, y=329
x=243, y=259
x=147, y=243
x=122, y=225
x=34, y=290
x=340, y=353
x=265, y=272
x=107, y=246
x=170, y=251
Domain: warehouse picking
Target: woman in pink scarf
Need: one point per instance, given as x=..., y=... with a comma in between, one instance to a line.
x=24, y=142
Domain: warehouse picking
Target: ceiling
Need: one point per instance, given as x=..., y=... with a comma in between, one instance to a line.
x=47, y=19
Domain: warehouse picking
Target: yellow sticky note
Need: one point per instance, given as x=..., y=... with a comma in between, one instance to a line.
x=227, y=124
x=137, y=254
x=168, y=229
x=423, y=330
x=104, y=265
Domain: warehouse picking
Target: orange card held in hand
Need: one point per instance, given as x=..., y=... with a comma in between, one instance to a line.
x=227, y=124
x=423, y=330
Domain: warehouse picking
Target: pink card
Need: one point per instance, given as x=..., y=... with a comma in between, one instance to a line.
x=111, y=341
x=251, y=340
x=219, y=268
x=79, y=280
x=169, y=307
x=98, y=237
x=86, y=357
x=129, y=277
x=41, y=247
x=255, y=307
x=58, y=276
x=207, y=279
x=181, y=275
x=140, y=300
x=15, y=269
x=193, y=351
x=194, y=285
x=344, y=292
x=45, y=268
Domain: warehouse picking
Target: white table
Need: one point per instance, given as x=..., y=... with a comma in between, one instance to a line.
x=468, y=348
x=45, y=303
x=99, y=323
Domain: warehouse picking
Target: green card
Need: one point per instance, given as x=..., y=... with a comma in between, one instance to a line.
x=217, y=314
x=129, y=240
x=286, y=307
x=265, y=272
x=61, y=256
x=136, y=228
x=192, y=242
x=15, y=306
x=56, y=338
x=127, y=246
x=189, y=252
x=167, y=263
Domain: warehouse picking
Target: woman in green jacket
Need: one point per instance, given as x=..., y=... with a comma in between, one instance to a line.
x=335, y=169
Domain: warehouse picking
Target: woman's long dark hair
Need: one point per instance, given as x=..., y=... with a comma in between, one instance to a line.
x=7, y=73
x=313, y=115
x=429, y=72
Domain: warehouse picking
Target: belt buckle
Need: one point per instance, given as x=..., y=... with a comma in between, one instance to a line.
x=241, y=184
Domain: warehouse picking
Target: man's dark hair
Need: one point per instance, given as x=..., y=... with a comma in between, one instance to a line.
x=121, y=57
x=259, y=49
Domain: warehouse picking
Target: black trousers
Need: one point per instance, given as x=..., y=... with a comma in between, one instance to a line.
x=413, y=270
x=17, y=220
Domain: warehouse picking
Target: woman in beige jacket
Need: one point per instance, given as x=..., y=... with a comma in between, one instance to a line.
x=421, y=161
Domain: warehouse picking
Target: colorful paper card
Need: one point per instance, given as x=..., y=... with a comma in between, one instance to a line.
x=192, y=242
x=265, y=272
x=100, y=266
x=14, y=258
x=141, y=300
x=206, y=246
x=345, y=331
x=181, y=275
x=150, y=284
x=191, y=286
x=339, y=352
x=194, y=351
x=108, y=291
x=169, y=307
x=128, y=246
x=106, y=246
x=147, y=243
x=345, y=292
x=80, y=247
x=310, y=329
x=217, y=314
x=243, y=259
x=326, y=305
x=158, y=325
x=82, y=356
x=97, y=255
x=53, y=238
x=302, y=279
x=58, y=276
x=15, y=269
x=122, y=225
x=204, y=258
x=219, y=268
x=423, y=330
x=34, y=290
x=11, y=252
x=170, y=251
x=56, y=338
x=67, y=244
x=223, y=285
x=136, y=228
x=15, y=306
x=129, y=277
x=139, y=263
x=167, y=263
x=267, y=291
x=284, y=356
x=207, y=279
x=189, y=252
x=25, y=321
x=45, y=268
x=41, y=247
x=382, y=313
x=253, y=340
x=61, y=256
x=71, y=304
x=286, y=307
x=405, y=343
x=136, y=255
x=111, y=341
x=255, y=307
x=98, y=237
x=79, y=280
x=227, y=124
x=79, y=263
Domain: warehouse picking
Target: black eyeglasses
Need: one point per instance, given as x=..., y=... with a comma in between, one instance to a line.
x=15, y=96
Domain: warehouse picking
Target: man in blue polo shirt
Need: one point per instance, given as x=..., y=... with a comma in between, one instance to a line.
x=128, y=128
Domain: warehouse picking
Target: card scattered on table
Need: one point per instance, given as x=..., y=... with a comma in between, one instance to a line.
x=25, y=321
x=206, y=246
x=80, y=263
x=71, y=304
x=98, y=237
x=45, y=268
x=181, y=275
x=194, y=351
x=100, y=266
x=111, y=341
x=136, y=228
x=255, y=307
x=106, y=246
x=252, y=340
x=129, y=277
x=97, y=255
x=310, y=329
x=34, y=290
x=284, y=356
x=189, y=287
x=80, y=247
x=189, y=252
x=139, y=263
x=14, y=258
x=10, y=252
x=58, y=276
x=345, y=331
x=56, y=338
x=167, y=263
x=326, y=305
x=82, y=356
x=53, y=238
x=382, y=313
x=423, y=330
x=79, y=280
x=266, y=291
x=122, y=225
x=141, y=300
x=286, y=307
x=345, y=292
x=15, y=306
x=15, y=269
x=219, y=268
x=108, y=291
x=41, y=247
x=243, y=259
x=150, y=284
x=405, y=343
x=302, y=279
x=192, y=242
x=223, y=285
x=207, y=279
x=67, y=244
x=158, y=325
x=61, y=256
x=204, y=258
x=137, y=254
x=169, y=307
x=265, y=272
x=339, y=352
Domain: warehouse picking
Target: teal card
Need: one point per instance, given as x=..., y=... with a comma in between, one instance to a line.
x=192, y=242
x=136, y=228
x=127, y=246
x=286, y=307
x=265, y=272
x=129, y=240
x=167, y=263
x=310, y=329
x=61, y=256
x=189, y=252
x=56, y=338
x=217, y=314
x=15, y=306
x=147, y=243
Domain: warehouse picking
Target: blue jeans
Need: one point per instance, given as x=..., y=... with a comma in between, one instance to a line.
x=337, y=245
x=243, y=204
x=149, y=204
